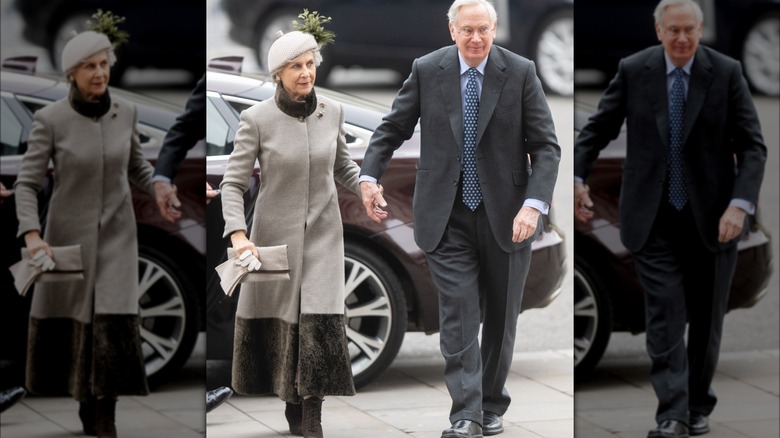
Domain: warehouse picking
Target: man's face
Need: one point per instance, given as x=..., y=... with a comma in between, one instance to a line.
x=679, y=32
x=473, y=33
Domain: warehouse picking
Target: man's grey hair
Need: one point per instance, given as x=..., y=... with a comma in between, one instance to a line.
x=661, y=8
x=454, y=11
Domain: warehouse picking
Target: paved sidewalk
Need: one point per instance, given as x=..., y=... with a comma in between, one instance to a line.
x=411, y=400
x=176, y=410
x=618, y=401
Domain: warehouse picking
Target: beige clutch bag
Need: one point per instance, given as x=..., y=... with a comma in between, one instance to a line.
x=68, y=267
x=274, y=267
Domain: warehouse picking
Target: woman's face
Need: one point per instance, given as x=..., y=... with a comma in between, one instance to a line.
x=92, y=75
x=298, y=75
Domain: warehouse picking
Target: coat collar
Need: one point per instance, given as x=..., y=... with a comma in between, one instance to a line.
x=449, y=83
x=656, y=87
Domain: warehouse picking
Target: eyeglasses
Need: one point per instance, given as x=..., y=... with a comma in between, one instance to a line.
x=469, y=32
x=676, y=31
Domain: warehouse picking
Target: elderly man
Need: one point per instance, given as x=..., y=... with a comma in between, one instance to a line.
x=477, y=204
x=694, y=164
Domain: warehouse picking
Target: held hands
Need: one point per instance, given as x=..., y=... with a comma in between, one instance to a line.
x=40, y=253
x=524, y=224
x=246, y=250
x=731, y=223
x=582, y=203
x=167, y=201
x=373, y=200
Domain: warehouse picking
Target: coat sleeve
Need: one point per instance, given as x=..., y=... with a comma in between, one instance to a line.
x=602, y=127
x=345, y=171
x=35, y=163
x=396, y=127
x=139, y=170
x=241, y=163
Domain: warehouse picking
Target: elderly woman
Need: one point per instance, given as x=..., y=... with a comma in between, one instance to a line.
x=84, y=337
x=290, y=337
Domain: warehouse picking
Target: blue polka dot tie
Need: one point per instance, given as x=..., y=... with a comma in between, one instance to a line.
x=677, y=193
x=472, y=195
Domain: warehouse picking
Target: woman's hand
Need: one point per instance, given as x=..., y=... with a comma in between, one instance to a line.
x=40, y=253
x=246, y=251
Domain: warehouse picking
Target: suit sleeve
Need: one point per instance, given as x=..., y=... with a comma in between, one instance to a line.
x=602, y=127
x=396, y=127
x=188, y=129
x=747, y=141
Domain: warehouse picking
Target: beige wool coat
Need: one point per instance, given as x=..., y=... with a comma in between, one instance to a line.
x=96, y=319
x=280, y=323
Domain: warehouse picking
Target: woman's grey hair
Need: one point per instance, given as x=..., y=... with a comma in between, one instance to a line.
x=111, y=62
x=454, y=11
x=661, y=8
x=275, y=75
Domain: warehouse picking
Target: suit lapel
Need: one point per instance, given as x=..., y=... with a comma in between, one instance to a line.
x=449, y=86
x=699, y=83
x=655, y=81
x=493, y=83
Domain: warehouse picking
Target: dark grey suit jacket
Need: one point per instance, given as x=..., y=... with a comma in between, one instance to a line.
x=720, y=124
x=514, y=123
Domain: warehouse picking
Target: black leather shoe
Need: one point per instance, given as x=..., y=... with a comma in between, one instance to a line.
x=700, y=424
x=669, y=429
x=216, y=397
x=463, y=429
x=10, y=396
x=492, y=423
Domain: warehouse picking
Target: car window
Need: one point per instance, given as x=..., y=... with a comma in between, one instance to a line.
x=11, y=134
x=217, y=130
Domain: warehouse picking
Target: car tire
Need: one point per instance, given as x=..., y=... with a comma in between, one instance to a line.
x=375, y=313
x=553, y=52
x=592, y=318
x=760, y=57
x=169, y=315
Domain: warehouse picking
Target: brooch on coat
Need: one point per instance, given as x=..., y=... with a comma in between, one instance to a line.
x=321, y=113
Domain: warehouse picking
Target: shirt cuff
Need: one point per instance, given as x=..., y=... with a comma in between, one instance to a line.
x=537, y=204
x=578, y=180
x=744, y=204
x=367, y=178
x=161, y=178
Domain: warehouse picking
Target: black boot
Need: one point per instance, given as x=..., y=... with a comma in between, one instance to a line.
x=294, y=417
x=104, y=420
x=10, y=396
x=87, y=415
x=312, y=417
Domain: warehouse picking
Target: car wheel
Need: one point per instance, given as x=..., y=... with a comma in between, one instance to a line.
x=375, y=311
x=76, y=22
x=266, y=33
x=169, y=315
x=553, y=51
x=592, y=319
x=760, y=57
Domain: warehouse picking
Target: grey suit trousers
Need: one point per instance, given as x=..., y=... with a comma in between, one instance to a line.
x=475, y=277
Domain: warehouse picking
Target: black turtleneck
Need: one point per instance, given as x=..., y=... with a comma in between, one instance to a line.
x=295, y=108
x=87, y=108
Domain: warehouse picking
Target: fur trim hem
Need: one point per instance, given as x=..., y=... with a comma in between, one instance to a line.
x=266, y=355
x=69, y=357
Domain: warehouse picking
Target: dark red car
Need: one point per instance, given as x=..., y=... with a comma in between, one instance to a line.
x=389, y=289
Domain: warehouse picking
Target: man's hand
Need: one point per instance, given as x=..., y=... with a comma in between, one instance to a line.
x=167, y=201
x=524, y=224
x=373, y=201
x=582, y=203
x=731, y=224
x=210, y=193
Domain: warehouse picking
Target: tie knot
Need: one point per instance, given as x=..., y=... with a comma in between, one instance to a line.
x=472, y=72
x=679, y=73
